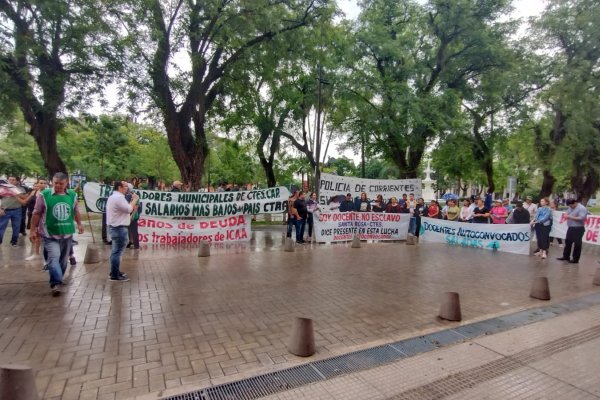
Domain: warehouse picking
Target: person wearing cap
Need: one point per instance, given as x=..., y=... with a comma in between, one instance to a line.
x=498, y=212
x=575, y=215
x=506, y=204
x=530, y=206
x=347, y=205
x=176, y=187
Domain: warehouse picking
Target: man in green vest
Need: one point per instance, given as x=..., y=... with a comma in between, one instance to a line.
x=55, y=214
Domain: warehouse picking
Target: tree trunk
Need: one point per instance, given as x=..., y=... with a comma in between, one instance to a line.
x=268, y=168
x=547, y=183
x=189, y=152
x=44, y=130
x=585, y=184
x=483, y=152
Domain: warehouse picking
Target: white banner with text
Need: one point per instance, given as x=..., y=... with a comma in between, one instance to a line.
x=338, y=227
x=592, y=227
x=194, y=204
x=510, y=238
x=175, y=232
x=331, y=186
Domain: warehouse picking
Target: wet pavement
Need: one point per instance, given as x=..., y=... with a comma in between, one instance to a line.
x=185, y=322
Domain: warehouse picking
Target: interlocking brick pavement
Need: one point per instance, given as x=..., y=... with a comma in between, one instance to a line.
x=184, y=322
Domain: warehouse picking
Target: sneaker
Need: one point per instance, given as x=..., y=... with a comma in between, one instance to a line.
x=55, y=290
x=537, y=253
x=119, y=279
x=108, y=243
x=543, y=254
x=45, y=267
x=562, y=259
x=561, y=245
x=72, y=260
x=33, y=257
x=13, y=245
x=123, y=274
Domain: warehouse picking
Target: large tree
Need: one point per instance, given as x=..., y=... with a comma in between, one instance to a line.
x=53, y=55
x=185, y=48
x=411, y=63
x=568, y=30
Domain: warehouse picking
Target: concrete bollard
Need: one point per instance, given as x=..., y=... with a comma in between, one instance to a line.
x=302, y=339
x=17, y=383
x=540, y=289
x=204, y=250
x=411, y=239
x=450, y=309
x=92, y=254
x=355, y=242
x=289, y=245
x=597, y=277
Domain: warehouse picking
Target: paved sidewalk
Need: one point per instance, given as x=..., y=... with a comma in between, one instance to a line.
x=185, y=322
x=552, y=359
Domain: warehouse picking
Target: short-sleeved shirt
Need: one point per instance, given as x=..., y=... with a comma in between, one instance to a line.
x=578, y=211
x=478, y=218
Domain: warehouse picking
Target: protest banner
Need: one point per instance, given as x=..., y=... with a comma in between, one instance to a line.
x=194, y=204
x=333, y=185
x=175, y=232
x=510, y=238
x=339, y=227
x=592, y=227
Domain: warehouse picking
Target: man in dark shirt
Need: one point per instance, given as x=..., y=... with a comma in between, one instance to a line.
x=519, y=215
x=481, y=213
x=348, y=204
x=300, y=207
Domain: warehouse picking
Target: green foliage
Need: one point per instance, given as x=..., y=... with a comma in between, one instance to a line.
x=18, y=153
x=342, y=166
x=106, y=148
x=232, y=162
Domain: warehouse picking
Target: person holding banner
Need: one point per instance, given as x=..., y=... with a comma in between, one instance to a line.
x=433, y=211
x=292, y=214
x=542, y=223
x=420, y=211
x=300, y=207
x=498, y=212
x=575, y=215
x=554, y=207
x=466, y=212
x=311, y=207
x=347, y=205
x=362, y=204
x=393, y=207
x=378, y=205
x=481, y=214
x=118, y=218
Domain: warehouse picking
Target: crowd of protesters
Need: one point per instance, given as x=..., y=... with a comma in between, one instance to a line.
x=473, y=210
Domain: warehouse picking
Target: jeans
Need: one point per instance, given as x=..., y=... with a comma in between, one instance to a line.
x=412, y=226
x=119, y=236
x=58, y=254
x=300, y=230
x=14, y=215
x=291, y=224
